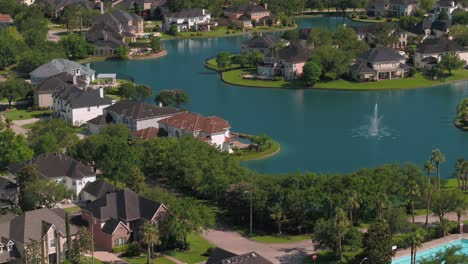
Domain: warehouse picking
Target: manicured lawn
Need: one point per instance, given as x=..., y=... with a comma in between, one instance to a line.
x=234, y=77
x=22, y=114
x=211, y=64
x=72, y=210
x=198, y=247
x=280, y=239
x=222, y=31
x=142, y=260
x=29, y=126
x=246, y=155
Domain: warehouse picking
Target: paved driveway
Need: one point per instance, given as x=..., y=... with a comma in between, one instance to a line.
x=293, y=252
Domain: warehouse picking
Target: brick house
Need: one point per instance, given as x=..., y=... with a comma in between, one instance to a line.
x=118, y=217
x=247, y=14
x=287, y=62
x=379, y=63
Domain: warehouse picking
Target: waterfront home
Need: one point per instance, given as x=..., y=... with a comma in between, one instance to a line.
x=135, y=115
x=248, y=15
x=5, y=20
x=112, y=30
x=222, y=256
x=440, y=28
x=43, y=92
x=148, y=7
x=378, y=64
x=394, y=8
x=76, y=106
x=46, y=226
x=448, y=6
x=430, y=51
x=57, y=6
x=57, y=66
x=287, y=62
x=423, y=28
x=60, y=168
x=117, y=218
x=9, y=193
x=193, y=19
x=263, y=43
x=368, y=34
x=146, y=133
x=213, y=130
x=96, y=189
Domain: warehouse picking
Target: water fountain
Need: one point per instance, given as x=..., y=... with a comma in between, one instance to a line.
x=374, y=127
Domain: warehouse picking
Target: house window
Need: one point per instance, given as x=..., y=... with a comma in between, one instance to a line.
x=119, y=242
x=10, y=246
x=52, y=243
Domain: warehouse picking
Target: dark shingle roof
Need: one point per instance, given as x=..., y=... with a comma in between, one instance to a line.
x=440, y=25
x=262, y=42
x=110, y=226
x=98, y=120
x=123, y=205
x=438, y=45
x=78, y=98
x=191, y=12
x=56, y=165
x=245, y=8
x=293, y=53
x=6, y=184
x=105, y=36
x=421, y=27
x=59, y=82
x=31, y=225
x=361, y=67
x=99, y=188
x=221, y=256
x=381, y=55
x=140, y=110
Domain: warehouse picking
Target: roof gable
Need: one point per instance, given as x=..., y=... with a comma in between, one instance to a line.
x=376, y=55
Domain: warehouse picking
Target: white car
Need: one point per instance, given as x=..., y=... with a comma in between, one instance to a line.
x=402, y=53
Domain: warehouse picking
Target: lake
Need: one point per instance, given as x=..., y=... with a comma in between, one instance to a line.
x=319, y=131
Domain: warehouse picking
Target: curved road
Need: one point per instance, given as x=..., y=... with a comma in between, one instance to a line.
x=293, y=252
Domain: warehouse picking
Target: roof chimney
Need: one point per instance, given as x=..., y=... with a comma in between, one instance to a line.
x=265, y=6
x=102, y=7
x=203, y=11
x=75, y=82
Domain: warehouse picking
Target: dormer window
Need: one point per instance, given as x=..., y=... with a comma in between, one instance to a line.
x=52, y=243
x=10, y=245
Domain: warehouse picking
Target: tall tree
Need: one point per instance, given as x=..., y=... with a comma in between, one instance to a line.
x=44, y=193
x=68, y=234
x=459, y=171
x=33, y=252
x=14, y=89
x=451, y=61
x=413, y=194
x=175, y=98
x=353, y=201
x=438, y=158
x=82, y=245
x=277, y=215
x=311, y=73
x=378, y=244
x=13, y=149
x=223, y=60
x=341, y=224
x=382, y=202
x=415, y=239
x=150, y=237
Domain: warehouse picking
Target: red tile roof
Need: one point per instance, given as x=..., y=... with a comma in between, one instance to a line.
x=147, y=133
x=5, y=18
x=194, y=122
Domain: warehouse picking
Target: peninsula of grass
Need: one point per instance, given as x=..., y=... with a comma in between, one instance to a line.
x=280, y=239
x=23, y=113
x=233, y=76
x=199, y=246
x=223, y=31
x=249, y=155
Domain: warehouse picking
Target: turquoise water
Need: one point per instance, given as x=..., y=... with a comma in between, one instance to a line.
x=320, y=131
x=429, y=253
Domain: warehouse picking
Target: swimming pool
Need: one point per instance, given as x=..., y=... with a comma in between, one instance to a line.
x=462, y=243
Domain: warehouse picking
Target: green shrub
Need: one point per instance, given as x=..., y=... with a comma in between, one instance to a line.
x=208, y=251
x=364, y=17
x=120, y=249
x=133, y=250
x=378, y=18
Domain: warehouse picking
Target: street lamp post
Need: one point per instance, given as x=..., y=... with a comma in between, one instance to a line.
x=364, y=259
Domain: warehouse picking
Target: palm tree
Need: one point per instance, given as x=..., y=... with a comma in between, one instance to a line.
x=414, y=239
x=341, y=223
x=438, y=158
x=413, y=193
x=459, y=171
x=353, y=202
x=429, y=168
x=150, y=236
x=382, y=202
x=278, y=215
x=430, y=189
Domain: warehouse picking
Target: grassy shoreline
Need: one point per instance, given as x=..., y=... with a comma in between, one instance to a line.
x=251, y=156
x=232, y=77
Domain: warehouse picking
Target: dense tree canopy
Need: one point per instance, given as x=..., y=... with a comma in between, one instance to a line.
x=13, y=148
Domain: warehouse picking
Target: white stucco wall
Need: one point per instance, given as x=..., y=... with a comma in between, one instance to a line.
x=75, y=185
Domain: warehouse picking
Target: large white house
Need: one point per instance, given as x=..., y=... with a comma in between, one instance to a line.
x=448, y=6
x=430, y=51
x=76, y=106
x=213, y=130
x=60, y=168
x=189, y=19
